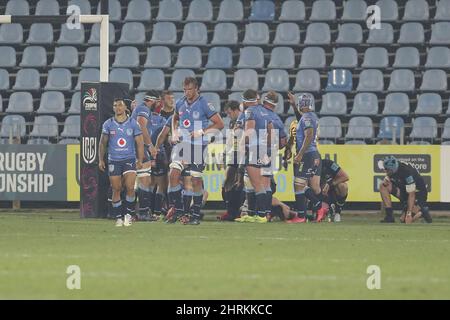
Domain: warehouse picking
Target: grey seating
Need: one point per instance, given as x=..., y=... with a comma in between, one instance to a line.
x=375, y=57
x=396, y=104
x=45, y=126
x=214, y=80
x=360, y=128
x=365, y=104
x=91, y=58
x=312, y=58
x=225, y=34
x=59, y=79
x=279, y=108
x=282, y=58
x=407, y=57
x=323, y=10
x=446, y=143
x=158, y=57
x=334, y=103
x=66, y=57
x=292, y=10
x=95, y=34
x=287, y=33
x=40, y=33
x=170, y=10
x=429, y=103
x=1, y=103
x=11, y=33
x=384, y=35
x=355, y=142
x=231, y=10
x=424, y=128
x=73, y=36
x=27, y=79
x=115, y=10
x=7, y=57
x=13, y=125
x=237, y=96
x=277, y=80
x=251, y=57
x=438, y=57
x=189, y=58
x=370, y=80
x=71, y=127
x=132, y=33
x=402, y=80
x=307, y=80
x=434, y=80
x=52, y=102
x=354, y=10
x=318, y=33
x=330, y=128
x=47, y=8
x=69, y=141
x=446, y=131
x=388, y=10
x=152, y=79
x=4, y=79
x=200, y=10
x=87, y=74
x=411, y=33
x=219, y=58
x=20, y=102
x=416, y=10
x=345, y=57
x=126, y=57
x=256, y=33
x=442, y=10
x=75, y=103
x=194, y=33
x=245, y=79
x=17, y=8
x=212, y=98
x=440, y=34
x=349, y=33
x=38, y=141
x=122, y=75
x=84, y=5
x=418, y=142
x=164, y=33
x=176, y=83
x=138, y=10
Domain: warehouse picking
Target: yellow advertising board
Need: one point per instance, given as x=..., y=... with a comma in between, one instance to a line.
x=73, y=172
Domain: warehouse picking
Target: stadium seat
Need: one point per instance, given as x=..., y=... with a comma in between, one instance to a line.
x=88, y=74
x=47, y=8
x=438, y=57
x=75, y=103
x=126, y=57
x=13, y=125
x=153, y=79
x=388, y=10
x=158, y=57
x=384, y=35
x=277, y=80
x=292, y=10
x=355, y=142
x=334, y=103
x=138, y=10
x=411, y=33
x=396, y=104
x=307, y=80
x=416, y=10
x=370, y=80
x=52, y=102
x=312, y=58
x=1, y=103
x=164, y=33
x=251, y=58
x=325, y=141
x=225, y=34
x=122, y=75
x=189, y=58
x=446, y=130
x=245, y=79
x=59, y=79
x=339, y=80
x=419, y=142
x=20, y=102
x=40, y=33
x=424, y=128
x=11, y=33
x=440, y=34
x=262, y=11
x=200, y=10
x=214, y=80
x=282, y=58
x=354, y=10
x=38, y=141
x=71, y=36
x=390, y=128
x=323, y=10
x=4, y=79
x=84, y=5
x=360, y=128
x=27, y=79
x=195, y=34
x=448, y=108
x=95, y=34
x=237, y=96
x=330, y=128
x=375, y=57
x=71, y=127
x=212, y=98
x=402, y=80
x=287, y=33
x=91, y=58
x=231, y=10
x=17, y=8
x=219, y=58
x=178, y=76
x=69, y=141
x=407, y=57
x=132, y=33
x=170, y=10
x=115, y=10
x=446, y=143
x=279, y=108
x=345, y=57
x=434, y=80
x=350, y=33
x=365, y=104
x=65, y=57
x=318, y=33
x=442, y=10
x=7, y=57
x=45, y=126
x=256, y=33
x=429, y=103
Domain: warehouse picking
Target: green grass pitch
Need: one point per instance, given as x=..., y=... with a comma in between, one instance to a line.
x=221, y=260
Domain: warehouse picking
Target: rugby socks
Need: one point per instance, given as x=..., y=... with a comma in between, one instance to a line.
x=300, y=203
x=315, y=201
x=251, y=202
x=187, y=200
x=198, y=197
x=175, y=200
x=144, y=200
x=389, y=212
x=261, y=203
x=159, y=199
x=426, y=214
x=340, y=201
x=117, y=209
x=110, y=213
x=130, y=205
x=269, y=200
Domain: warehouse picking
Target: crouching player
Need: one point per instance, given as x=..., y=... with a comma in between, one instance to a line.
x=333, y=181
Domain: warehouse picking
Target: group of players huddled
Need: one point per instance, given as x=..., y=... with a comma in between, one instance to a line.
x=157, y=152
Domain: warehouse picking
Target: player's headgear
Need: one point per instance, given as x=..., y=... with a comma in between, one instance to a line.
x=152, y=95
x=390, y=163
x=305, y=100
x=128, y=100
x=249, y=95
x=271, y=98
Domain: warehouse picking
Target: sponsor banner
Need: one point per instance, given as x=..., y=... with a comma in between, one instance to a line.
x=445, y=173
x=73, y=172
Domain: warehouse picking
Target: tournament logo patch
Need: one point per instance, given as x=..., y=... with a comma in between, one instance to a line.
x=196, y=114
x=211, y=107
x=121, y=142
x=90, y=99
x=186, y=123
x=129, y=132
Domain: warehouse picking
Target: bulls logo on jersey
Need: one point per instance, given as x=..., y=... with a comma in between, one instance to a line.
x=121, y=142
x=186, y=123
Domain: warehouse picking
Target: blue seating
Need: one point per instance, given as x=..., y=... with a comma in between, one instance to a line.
x=339, y=80
x=262, y=11
x=391, y=127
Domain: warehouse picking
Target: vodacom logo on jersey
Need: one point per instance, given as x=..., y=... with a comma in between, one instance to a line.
x=121, y=142
x=186, y=123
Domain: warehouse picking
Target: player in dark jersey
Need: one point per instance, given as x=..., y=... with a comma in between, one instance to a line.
x=405, y=183
x=333, y=181
x=167, y=104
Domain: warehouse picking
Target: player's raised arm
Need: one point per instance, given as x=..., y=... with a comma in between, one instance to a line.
x=175, y=124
